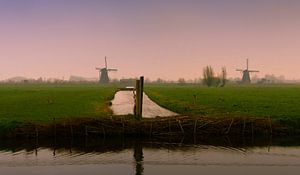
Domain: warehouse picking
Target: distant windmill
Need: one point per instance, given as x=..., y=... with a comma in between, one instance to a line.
x=246, y=74
x=103, y=73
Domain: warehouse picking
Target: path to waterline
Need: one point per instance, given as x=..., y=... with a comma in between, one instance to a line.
x=123, y=104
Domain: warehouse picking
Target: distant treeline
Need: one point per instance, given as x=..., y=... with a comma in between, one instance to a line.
x=214, y=80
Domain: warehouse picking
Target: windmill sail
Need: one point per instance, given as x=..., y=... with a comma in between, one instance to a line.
x=105, y=63
x=246, y=73
x=103, y=73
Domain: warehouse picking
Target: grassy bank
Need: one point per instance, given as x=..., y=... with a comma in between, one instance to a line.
x=42, y=103
x=281, y=102
x=80, y=110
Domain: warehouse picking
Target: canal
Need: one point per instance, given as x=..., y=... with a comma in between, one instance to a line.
x=148, y=157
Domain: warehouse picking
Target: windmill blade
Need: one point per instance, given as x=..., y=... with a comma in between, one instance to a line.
x=112, y=69
x=241, y=70
x=253, y=70
x=97, y=68
x=105, y=62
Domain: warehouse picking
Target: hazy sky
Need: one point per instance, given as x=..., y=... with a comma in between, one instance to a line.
x=155, y=38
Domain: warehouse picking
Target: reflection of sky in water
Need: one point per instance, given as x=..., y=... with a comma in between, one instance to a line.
x=123, y=104
x=194, y=159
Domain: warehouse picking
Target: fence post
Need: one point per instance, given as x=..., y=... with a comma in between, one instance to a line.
x=137, y=98
x=139, y=90
x=141, y=95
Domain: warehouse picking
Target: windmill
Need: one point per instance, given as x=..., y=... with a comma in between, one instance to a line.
x=246, y=74
x=103, y=73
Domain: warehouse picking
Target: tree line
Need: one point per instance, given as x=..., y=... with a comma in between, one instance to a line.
x=211, y=79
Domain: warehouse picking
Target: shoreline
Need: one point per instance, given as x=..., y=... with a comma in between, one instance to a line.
x=158, y=128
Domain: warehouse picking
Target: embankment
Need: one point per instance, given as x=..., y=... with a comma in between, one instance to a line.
x=160, y=128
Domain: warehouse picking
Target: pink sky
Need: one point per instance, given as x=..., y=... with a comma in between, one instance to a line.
x=167, y=39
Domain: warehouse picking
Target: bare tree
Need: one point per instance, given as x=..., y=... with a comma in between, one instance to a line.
x=181, y=81
x=223, y=76
x=208, y=76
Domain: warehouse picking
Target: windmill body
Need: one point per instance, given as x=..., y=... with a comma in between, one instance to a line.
x=246, y=74
x=246, y=77
x=103, y=74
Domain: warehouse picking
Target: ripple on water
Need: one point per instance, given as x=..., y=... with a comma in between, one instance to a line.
x=149, y=157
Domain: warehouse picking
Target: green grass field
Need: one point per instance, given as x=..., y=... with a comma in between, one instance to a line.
x=42, y=103
x=277, y=102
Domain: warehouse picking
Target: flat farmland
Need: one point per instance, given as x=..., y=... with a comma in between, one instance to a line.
x=42, y=103
x=274, y=101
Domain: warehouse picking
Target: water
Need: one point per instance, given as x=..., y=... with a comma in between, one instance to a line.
x=123, y=104
x=124, y=157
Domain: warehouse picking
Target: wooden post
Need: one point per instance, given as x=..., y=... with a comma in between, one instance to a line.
x=228, y=130
x=244, y=127
x=71, y=130
x=182, y=130
x=54, y=130
x=86, y=131
x=270, y=124
x=36, y=133
x=169, y=126
x=123, y=125
x=195, y=99
x=141, y=95
x=137, y=98
x=36, y=140
x=195, y=127
x=139, y=90
x=54, y=147
x=103, y=131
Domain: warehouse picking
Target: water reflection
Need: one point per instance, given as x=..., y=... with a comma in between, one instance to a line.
x=123, y=104
x=138, y=156
x=144, y=156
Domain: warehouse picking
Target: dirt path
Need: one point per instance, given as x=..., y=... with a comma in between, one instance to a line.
x=123, y=104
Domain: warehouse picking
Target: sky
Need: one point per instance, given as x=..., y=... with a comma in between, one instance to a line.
x=169, y=39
